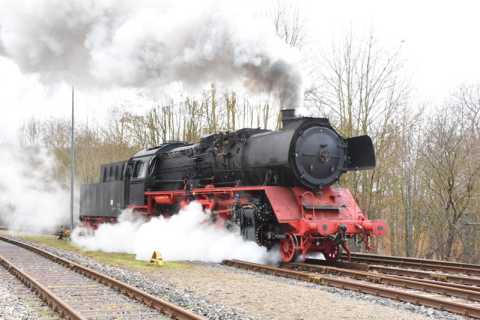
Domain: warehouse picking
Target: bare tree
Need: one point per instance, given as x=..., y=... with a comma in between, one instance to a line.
x=467, y=101
x=29, y=133
x=289, y=22
x=451, y=154
x=361, y=85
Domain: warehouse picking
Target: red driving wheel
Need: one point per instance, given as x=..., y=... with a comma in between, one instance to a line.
x=287, y=250
x=334, y=252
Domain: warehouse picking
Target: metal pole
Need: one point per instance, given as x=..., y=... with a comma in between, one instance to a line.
x=73, y=163
x=467, y=253
x=410, y=236
x=444, y=242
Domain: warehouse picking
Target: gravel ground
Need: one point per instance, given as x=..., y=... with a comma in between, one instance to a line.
x=221, y=292
x=287, y=299
x=181, y=297
x=11, y=306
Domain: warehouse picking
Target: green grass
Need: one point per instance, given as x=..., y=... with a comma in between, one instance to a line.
x=113, y=259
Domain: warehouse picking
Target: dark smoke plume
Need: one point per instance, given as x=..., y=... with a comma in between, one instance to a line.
x=143, y=43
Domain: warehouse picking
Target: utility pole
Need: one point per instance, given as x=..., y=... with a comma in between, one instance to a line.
x=73, y=163
x=410, y=227
x=410, y=238
x=467, y=252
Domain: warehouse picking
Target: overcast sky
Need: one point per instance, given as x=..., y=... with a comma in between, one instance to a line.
x=442, y=38
x=440, y=42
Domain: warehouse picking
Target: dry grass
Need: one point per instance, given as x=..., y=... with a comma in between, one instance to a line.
x=124, y=260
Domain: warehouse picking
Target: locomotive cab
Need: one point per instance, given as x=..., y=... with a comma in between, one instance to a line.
x=135, y=177
x=140, y=175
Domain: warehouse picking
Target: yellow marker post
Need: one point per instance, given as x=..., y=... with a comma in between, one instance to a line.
x=157, y=258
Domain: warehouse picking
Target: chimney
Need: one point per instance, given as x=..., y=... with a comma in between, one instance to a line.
x=287, y=116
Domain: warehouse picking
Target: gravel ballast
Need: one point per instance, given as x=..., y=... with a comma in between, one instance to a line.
x=270, y=297
x=220, y=292
x=11, y=306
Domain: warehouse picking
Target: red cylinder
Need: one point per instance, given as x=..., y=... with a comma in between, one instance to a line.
x=166, y=199
x=379, y=228
x=326, y=227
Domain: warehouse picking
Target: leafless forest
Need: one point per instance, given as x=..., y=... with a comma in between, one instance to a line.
x=428, y=155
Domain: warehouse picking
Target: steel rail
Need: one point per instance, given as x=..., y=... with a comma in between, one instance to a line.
x=175, y=312
x=374, y=289
x=414, y=284
x=443, y=278
x=435, y=282
x=53, y=301
x=417, y=265
x=415, y=260
x=52, y=232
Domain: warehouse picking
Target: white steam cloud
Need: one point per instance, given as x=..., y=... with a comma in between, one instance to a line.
x=147, y=43
x=29, y=198
x=185, y=236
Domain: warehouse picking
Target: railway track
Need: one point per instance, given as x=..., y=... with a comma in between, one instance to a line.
x=429, y=261
x=371, y=274
x=52, y=232
x=444, y=297
x=74, y=292
x=422, y=264
x=418, y=274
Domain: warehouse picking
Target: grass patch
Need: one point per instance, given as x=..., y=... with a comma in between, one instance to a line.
x=113, y=259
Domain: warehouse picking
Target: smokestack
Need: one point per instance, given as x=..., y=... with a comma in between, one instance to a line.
x=287, y=116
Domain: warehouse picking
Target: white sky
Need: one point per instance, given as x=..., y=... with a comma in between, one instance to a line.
x=442, y=38
x=441, y=45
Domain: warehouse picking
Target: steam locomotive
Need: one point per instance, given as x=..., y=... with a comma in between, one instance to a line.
x=270, y=186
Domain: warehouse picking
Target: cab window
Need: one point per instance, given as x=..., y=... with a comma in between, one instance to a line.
x=138, y=171
x=142, y=170
x=153, y=166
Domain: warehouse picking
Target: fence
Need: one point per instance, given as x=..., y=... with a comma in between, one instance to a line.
x=467, y=230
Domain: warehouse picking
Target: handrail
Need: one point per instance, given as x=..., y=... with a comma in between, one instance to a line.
x=365, y=200
x=313, y=204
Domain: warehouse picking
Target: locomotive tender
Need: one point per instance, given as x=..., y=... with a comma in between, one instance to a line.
x=271, y=186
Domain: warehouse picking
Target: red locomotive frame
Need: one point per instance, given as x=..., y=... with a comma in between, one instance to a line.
x=317, y=222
